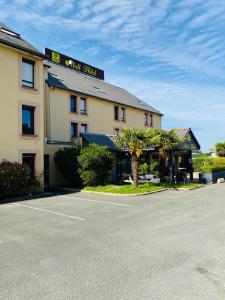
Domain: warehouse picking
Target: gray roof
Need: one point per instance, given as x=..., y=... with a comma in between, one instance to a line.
x=13, y=39
x=105, y=140
x=99, y=139
x=64, y=78
x=183, y=132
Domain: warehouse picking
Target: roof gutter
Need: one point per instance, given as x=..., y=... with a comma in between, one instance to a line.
x=39, y=54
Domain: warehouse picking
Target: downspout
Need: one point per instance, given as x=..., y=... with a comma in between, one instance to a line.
x=49, y=119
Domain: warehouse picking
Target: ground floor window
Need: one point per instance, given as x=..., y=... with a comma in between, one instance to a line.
x=83, y=128
x=116, y=131
x=29, y=160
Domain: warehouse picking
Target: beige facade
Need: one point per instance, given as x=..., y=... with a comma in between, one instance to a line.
x=99, y=117
x=36, y=116
x=13, y=96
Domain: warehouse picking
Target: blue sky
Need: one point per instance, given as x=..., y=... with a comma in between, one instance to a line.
x=169, y=53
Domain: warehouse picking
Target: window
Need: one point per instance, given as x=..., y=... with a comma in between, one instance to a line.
x=29, y=160
x=123, y=114
x=146, y=119
x=27, y=73
x=83, y=105
x=73, y=103
x=116, y=131
x=28, y=119
x=74, y=128
x=151, y=120
x=83, y=128
x=116, y=112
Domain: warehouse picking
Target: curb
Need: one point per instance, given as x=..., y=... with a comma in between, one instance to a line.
x=114, y=194
x=191, y=189
x=139, y=194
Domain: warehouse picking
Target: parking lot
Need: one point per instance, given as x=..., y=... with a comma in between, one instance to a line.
x=169, y=245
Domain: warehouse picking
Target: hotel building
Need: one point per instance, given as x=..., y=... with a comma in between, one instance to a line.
x=49, y=101
x=46, y=105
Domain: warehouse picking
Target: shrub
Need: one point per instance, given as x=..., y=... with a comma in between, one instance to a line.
x=198, y=163
x=209, y=165
x=14, y=180
x=96, y=163
x=154, y=167
x=67, y=164
x=143, y=169
x=146, y=168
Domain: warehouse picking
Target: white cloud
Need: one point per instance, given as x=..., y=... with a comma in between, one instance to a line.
x=199, y=107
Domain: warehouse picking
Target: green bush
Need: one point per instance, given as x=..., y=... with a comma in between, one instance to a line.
x=96, y=164
x=220, y=149
x=67, y=164
x=209, y=165
x=14, y=180
x=143, y=169
x=198, y=163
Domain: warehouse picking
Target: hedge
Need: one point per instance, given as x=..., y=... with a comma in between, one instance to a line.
x=209, y=165
x=14, y=180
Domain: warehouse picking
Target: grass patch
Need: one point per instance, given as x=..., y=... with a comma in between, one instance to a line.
x=125, y=188
x=142, y=188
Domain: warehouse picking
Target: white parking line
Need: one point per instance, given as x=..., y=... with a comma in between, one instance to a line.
x=53, y=212
x=98, y=201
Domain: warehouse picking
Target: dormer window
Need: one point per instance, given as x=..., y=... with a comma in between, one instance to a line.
x=99, y=90
x=9, y=32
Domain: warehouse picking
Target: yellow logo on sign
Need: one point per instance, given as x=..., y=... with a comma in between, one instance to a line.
x=56, y=57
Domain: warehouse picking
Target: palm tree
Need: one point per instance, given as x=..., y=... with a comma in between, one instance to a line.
x=135, y=141
x=220, y=149
x=165, y=141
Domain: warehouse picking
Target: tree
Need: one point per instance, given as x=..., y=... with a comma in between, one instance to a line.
x=135, y=141
x=67, y=164
x=95, y=163
x=220, y=149
x=165, y=141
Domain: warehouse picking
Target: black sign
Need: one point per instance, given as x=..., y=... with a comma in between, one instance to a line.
x=74, y=64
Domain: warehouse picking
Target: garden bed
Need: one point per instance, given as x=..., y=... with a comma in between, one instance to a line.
x=143, y=188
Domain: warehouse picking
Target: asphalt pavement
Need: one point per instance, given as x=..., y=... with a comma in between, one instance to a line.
x=169, y=245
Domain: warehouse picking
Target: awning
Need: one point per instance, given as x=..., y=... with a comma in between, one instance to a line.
x=98, y=139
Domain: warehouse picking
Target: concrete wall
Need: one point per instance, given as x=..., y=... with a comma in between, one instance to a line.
x=12, y=143
x=210, y=178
